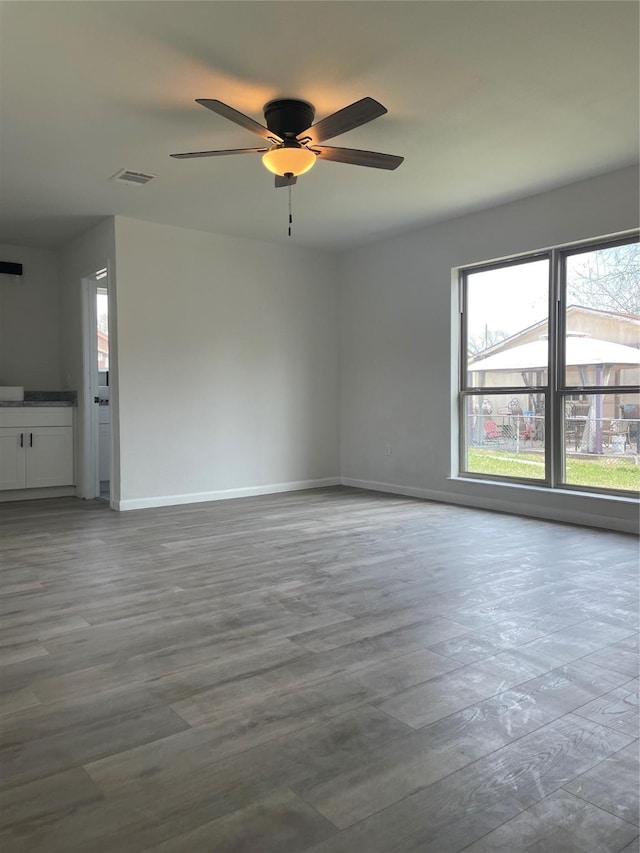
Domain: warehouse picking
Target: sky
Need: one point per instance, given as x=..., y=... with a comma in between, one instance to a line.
x=512, y=298
x=495, y=298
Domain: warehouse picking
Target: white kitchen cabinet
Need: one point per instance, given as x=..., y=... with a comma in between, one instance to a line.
x=36, y=447
x=49, y=455
x=13, y=467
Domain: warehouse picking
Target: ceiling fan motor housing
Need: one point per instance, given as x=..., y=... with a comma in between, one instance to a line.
x=287, y=119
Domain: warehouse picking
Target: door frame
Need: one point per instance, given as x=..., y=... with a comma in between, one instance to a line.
x=90, y=481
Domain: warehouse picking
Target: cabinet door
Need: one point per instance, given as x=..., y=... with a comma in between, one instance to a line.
x=12, y=458
x=49, y=456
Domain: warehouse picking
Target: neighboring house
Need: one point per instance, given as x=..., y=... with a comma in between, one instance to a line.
x=103, y=350
x=605, y=325
x=621, y=330
x=586, y=323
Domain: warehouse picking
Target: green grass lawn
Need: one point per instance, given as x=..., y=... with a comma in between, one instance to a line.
x=606, y=473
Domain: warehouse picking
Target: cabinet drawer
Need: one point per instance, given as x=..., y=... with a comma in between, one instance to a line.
x=34, y=416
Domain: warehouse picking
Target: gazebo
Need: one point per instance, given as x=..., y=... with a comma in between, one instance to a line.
x=582, y=352
x=593, y=360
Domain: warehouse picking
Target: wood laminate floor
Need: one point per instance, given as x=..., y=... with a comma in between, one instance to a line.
x=330, y=671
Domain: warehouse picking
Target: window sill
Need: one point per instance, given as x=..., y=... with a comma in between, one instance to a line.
x=525, y=488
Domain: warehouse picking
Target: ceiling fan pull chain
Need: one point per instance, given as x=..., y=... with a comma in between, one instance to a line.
x=290, y=216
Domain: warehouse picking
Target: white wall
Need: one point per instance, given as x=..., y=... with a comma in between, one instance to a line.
x=397, y=345
x=29, y=320
x=227, y=363
x=82, y=257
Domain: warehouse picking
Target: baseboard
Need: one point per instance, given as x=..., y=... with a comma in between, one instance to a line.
x=391, y=488
x=569, y=516
x=38, y=494
x=224, y=494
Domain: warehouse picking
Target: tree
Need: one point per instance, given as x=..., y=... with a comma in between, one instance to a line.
x=478, y=343
x=607, y=279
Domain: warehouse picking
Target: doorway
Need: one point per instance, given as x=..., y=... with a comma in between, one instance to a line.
x=97, y=388
x=104, y=417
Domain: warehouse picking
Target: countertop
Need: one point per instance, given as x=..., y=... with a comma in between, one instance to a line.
x=38, y=399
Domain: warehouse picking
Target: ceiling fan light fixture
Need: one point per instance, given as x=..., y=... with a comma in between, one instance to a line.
x=289, y=160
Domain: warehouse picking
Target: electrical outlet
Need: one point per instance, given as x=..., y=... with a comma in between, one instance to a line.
x=387, y=450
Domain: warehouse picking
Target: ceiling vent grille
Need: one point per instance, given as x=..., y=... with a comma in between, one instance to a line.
x=133, y=179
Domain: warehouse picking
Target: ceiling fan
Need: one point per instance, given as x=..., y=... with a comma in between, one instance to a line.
x=294, y=139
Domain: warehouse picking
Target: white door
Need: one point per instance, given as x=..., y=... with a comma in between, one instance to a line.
x=49, y=456
x=12, y=458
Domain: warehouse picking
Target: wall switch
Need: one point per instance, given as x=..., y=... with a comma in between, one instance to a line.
x=387, y=450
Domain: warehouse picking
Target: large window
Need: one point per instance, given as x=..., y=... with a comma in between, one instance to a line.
x=550, y=369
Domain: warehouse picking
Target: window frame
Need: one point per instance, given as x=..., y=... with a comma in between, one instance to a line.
x=564, y=390
x=556, y=391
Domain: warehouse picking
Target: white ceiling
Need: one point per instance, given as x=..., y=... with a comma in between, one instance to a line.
x=488, y=101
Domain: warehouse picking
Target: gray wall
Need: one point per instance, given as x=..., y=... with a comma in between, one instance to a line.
x=242, y=366
x=30, y=321
x=227, y=362
x=398, y=344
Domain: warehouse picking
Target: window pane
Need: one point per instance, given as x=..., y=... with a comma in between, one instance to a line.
x=603, y=317
x=102, y=312
x=506, y=315
x=505, y=435
x=601, y=434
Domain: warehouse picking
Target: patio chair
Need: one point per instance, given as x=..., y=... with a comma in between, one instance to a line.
x=612, y=430
x=574, y=430
x=491, y=431
x=527, y=431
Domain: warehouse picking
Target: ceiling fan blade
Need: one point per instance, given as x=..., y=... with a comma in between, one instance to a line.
x=283, y=181
x=190, y=155
x=228, y=112
x=358, y=158
x=346, y=119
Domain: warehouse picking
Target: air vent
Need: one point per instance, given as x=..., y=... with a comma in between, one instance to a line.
x=133, y=179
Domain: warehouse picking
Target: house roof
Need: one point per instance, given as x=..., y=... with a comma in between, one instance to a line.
x=572, y=310
x=488, y=102
x=580, y=351
x=619, y=315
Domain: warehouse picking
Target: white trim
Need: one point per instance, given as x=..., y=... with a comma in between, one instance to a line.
x=89, y=463
x=224, y=494
x=114, y=397
x=38, y=494
x=391, y=488
x=569, y=516
x=89, y=480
